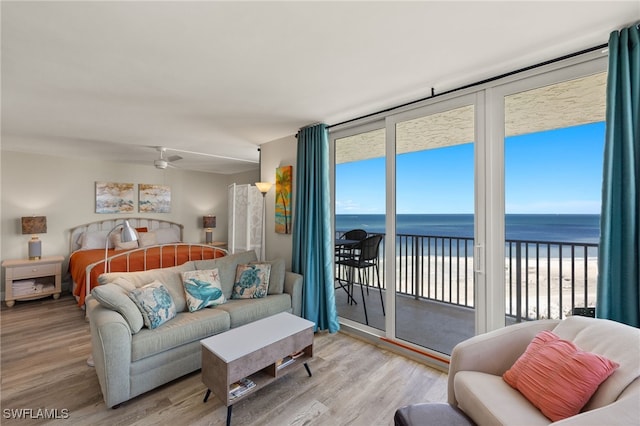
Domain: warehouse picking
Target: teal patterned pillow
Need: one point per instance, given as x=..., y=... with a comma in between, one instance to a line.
x=155, y=304
x=252, y=281
x=202, y=288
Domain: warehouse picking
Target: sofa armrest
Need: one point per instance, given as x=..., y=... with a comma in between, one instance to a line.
x=493, y=352
x=111, y=349
x=624, y=411
x=293, y=286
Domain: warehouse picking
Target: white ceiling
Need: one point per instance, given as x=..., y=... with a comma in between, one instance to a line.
x=112, y=80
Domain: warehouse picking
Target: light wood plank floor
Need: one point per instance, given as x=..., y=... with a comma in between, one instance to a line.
x=45, y=344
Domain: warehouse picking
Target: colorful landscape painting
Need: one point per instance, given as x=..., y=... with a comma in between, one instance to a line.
x=113, y=197
x=154, y=198
x=283, y=199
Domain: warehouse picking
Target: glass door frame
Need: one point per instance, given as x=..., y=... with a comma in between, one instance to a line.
x=589, y=64
x=437, y=105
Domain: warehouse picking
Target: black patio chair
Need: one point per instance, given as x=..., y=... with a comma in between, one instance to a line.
x=363, y=260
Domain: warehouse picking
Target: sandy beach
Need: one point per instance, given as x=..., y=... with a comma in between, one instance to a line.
x=551, y=286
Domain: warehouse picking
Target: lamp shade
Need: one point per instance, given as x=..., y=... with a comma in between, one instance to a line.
x=34, y=225
x=263, y=187
x=208, y=222
x=128, y=233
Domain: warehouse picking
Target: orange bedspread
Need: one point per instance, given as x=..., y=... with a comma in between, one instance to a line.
x=172, y=255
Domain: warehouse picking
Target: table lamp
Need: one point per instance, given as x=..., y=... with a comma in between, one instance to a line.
x=208, y=223
x=34, y=225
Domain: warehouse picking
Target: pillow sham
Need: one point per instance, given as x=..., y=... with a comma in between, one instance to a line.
x=94, y=240
x=556, y=376
x=146, y=239
x=155, y=303
x=114, y=297
x=202, y=288
x=118, y=244
x=167, y=235
x=252, y=281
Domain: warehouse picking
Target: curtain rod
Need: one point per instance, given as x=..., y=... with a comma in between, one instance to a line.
x=477, y=83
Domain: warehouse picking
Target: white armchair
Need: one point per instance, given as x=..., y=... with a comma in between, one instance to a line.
x=476, y=386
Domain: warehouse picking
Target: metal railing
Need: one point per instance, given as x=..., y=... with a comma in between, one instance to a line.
x=542, y=279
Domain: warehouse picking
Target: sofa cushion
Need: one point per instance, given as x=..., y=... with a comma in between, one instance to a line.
x=116, y=298
x=243, y=311
x=155, y=303
x=185, y=328
x=251, y=281
x=488, y=399
x=276, y=276
x=170, y=277
x=202, y=289
x=227, y=268
x=556, y=376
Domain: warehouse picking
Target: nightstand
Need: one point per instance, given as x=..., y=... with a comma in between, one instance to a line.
x=219, y=244
x=47, y=270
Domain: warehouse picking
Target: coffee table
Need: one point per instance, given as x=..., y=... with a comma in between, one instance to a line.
x=254, y=351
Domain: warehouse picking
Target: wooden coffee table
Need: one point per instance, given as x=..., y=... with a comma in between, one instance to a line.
x=254, y=351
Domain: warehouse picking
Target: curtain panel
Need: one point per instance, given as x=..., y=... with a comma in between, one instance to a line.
x=312, y=240
x=619, y=256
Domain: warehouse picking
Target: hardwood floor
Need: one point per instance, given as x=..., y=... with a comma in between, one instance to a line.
x=45, y=344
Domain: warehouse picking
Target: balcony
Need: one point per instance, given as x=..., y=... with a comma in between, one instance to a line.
x=435, y=286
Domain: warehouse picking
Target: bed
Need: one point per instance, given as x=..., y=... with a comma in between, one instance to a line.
x=162, y=247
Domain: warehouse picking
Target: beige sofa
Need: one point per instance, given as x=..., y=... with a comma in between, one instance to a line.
x=475, y=375
x=130, y=360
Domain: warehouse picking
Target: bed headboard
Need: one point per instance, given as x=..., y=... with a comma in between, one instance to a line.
x=109, y=224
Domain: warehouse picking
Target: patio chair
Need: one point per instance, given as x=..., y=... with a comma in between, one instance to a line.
x=345, y=251
x=363, y=260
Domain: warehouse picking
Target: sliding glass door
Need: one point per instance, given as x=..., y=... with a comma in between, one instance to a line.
x=454, y=184
x=435, y=224
x=360, y=206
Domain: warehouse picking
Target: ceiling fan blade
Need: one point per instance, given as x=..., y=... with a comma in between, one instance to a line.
x=174, y=158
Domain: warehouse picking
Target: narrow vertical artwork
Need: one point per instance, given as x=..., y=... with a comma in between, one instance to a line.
x=284, y=181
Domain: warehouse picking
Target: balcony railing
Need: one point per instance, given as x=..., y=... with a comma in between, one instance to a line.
x=543, y=279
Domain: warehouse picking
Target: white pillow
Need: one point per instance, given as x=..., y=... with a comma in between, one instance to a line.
x=95, y=240
x=116, y=240
x=147, y=239
x=167, y=235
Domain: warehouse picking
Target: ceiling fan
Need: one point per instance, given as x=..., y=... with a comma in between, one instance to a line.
x=162, y=162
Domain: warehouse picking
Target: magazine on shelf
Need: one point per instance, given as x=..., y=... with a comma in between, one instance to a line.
x=240, y=387
x=285, y=361
x=289, y=359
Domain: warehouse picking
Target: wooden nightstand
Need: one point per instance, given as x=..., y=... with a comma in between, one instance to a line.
x=46, y=270
x=219, y=244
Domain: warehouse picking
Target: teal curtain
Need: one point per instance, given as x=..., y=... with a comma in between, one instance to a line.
x=619, y=257
x=312, y=240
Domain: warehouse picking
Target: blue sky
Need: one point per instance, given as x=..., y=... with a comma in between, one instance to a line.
x=556, y=171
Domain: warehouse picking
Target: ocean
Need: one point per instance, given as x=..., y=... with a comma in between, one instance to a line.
x=575, y=228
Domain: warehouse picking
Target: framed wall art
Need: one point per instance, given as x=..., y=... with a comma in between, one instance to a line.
x=154, y=198
x=284, y=182
x=113, y=197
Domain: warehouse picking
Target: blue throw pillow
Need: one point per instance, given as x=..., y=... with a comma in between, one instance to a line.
x=155, y=304
x=202, y=288
x=252, y=281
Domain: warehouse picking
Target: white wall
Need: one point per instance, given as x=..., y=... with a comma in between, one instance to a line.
x=63, y=190
x=281, y=152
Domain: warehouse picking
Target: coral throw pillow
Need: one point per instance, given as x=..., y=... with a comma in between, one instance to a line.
x=556, y=376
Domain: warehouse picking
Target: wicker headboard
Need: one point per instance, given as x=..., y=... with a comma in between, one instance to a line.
x=109, y=224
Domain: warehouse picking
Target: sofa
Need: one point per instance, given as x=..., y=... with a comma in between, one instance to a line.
x=131, y=358
x=478, y=393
